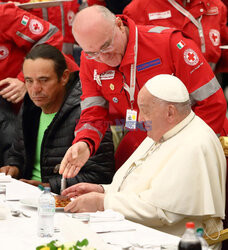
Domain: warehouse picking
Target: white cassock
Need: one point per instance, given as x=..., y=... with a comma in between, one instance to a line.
x=181, y=179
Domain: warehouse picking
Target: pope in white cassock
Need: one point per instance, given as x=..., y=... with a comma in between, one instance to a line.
x=176, y=175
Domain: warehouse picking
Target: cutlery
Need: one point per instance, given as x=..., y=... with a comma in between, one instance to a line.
x=63, y=180
x=17, y=213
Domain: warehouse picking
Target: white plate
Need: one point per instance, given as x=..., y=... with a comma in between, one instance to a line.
x=27, y=6
x=32, y=202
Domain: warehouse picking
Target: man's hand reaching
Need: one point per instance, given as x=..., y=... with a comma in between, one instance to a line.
x=76, y=156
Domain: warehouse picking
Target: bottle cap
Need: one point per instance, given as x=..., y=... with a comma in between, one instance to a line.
x=200, y=231
x=190, y=225
x=47, y=188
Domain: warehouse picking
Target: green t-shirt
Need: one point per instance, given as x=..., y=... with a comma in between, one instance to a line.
x=45, y=120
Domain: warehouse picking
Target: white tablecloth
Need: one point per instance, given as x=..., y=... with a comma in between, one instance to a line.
x=21, y=232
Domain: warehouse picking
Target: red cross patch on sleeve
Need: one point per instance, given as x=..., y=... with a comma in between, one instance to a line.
x=190, y=57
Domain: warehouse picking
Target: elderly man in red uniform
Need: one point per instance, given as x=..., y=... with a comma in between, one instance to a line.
x=118, y=58
x=202, y=20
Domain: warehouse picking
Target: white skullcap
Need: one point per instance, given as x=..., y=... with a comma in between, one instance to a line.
x=168, y=88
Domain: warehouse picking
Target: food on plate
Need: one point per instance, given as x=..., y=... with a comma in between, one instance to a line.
x=61, y=201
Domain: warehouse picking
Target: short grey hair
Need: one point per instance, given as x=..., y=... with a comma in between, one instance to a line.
x=107, y=14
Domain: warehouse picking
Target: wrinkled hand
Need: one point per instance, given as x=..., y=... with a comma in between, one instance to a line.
x=90, y=202
x=82, y=188
x=35, y=183
x=12, y=89
x=76, y=156
x=10, y=170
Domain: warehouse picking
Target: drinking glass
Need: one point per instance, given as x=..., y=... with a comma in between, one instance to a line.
x=3, y=192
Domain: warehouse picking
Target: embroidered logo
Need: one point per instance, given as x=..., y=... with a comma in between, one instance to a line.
x=190, y=57
x=149, y=64
x=70, y=17
x=110, y=74
x=180, y=45
x=36, y=27
x=214, y=37
x=213, y=11
x=4, y=52
x=159, y=15
x=24, y=20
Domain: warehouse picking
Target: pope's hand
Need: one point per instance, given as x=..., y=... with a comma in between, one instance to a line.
x=82, y=188
x=12, y=89
x=90, y=202
x=76, y=156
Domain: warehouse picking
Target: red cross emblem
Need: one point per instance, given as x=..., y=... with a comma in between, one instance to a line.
x=214, y=37
x=70, y=16
x=36, y=27
x=190, y=57
x=4, y=52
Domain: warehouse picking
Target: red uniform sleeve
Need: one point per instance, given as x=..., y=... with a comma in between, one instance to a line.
x=26, y=30
x=222, y=65
x=137, y=11
x=94, y=109
x=205, y=92
x=98, y=2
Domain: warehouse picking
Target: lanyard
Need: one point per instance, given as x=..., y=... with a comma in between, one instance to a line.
x=131, y=89
x=193, y=20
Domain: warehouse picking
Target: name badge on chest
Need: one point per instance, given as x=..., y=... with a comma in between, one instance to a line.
x=131, y=119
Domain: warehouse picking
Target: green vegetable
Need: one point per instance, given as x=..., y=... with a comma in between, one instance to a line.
x=79, y=245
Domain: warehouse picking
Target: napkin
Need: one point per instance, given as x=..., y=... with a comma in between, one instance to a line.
x=5, y=178
x=73, y=230
x=4, y=211
x=107, y=215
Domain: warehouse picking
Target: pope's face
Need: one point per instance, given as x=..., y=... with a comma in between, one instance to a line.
x=152, y=113
x=43, y=85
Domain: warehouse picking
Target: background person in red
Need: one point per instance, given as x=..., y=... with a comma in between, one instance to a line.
x=19, y=32
x=204, y=21
x=60, y=16
x=119, y=57
x=114, y=6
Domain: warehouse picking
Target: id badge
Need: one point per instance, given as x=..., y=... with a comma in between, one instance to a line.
x=131, y=119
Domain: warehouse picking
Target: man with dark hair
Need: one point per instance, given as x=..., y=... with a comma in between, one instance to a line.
x=46, y=124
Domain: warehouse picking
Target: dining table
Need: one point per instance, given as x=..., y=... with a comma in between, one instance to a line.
x=104, y=230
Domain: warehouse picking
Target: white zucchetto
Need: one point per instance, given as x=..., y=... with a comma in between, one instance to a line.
x=168, y=88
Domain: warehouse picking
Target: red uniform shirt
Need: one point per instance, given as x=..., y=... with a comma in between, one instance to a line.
x=160, y=51
x=62, y=17
x=211, y=16
x=19, y=32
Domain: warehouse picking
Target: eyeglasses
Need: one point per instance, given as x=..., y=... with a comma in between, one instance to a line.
x=106, y=48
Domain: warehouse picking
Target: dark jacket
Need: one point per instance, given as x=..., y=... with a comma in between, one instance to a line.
x=7, y=127
x=57, y=139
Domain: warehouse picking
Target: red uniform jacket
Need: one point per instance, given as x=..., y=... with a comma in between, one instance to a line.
x=62, y=18
x=210, y=14
x=160, y=51
x=19, y=32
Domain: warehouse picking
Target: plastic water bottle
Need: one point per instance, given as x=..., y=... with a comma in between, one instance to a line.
x=199, y=234
x=189, y=240
x=46, y=212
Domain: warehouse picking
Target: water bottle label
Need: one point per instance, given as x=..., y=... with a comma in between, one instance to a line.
x=46, y=210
